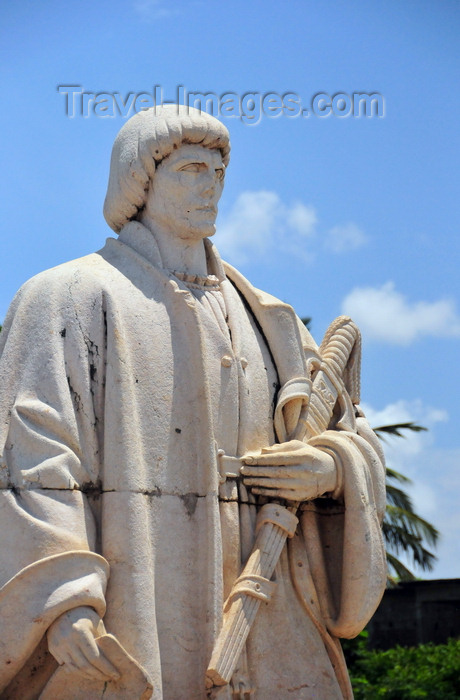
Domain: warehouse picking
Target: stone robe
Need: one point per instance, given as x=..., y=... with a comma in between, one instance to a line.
x=117, y=388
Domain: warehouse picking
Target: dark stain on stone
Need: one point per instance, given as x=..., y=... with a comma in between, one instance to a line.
x=178, y=430
x=75, y=395
x=105, y=329
x=156, y=492
x=190, y=500
x=92, y=488
x=92, y=348
x=63, y=333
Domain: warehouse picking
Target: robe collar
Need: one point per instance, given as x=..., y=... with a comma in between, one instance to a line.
x=139, y=238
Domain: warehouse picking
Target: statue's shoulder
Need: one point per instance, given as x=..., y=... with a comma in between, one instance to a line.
x=247, y=289
x=61, y=294
x=256, y=296
x=79, y=276
x=80, y=283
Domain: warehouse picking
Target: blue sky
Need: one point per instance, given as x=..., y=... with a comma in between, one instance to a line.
x=333, y=215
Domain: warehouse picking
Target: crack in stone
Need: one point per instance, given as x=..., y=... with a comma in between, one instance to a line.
x=96, y=489
x=297, y=687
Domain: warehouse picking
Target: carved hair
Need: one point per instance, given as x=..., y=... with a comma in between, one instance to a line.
x=141, y=145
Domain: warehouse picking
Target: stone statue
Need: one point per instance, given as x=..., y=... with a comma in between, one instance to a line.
x=159, y=415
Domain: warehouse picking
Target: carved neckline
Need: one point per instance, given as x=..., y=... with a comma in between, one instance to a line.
x=207, y=282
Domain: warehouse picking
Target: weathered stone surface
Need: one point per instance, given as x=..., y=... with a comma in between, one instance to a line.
x=152, y=401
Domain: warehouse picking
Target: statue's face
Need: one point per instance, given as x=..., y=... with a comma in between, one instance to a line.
x=186, y=189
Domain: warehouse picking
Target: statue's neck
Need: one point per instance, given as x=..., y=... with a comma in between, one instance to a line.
x=185, y=255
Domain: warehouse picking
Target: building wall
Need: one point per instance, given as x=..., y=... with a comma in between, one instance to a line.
x=417, y=612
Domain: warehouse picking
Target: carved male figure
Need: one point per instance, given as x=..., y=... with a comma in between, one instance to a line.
x=130, y=380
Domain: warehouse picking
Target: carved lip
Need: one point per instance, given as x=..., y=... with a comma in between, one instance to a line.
x=210, y=210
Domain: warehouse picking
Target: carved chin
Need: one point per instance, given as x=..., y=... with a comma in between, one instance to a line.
x=197, y=232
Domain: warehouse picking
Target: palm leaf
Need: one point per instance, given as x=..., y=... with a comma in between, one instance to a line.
x=404, y=530
x=401, y=571
x=396, y=428
x=393, y=474
x=398, y=497
x=411, y=523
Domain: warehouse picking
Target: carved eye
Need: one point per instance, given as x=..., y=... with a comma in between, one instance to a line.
x=192, y=168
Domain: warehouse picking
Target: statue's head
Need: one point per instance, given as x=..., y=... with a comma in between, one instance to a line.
x=144, y=142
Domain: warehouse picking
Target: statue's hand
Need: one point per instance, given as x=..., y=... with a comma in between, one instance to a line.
x=291, y=470
x=71, y=640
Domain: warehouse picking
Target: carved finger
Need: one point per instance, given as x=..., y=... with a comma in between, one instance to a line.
x=60, y=658
x=275, y=483
x=280, y=471
x=290, y=446
x=275, y=458
x=84, y=666
x=97, y=659
x=287, y=494
x=69, y=663
x=106, y=668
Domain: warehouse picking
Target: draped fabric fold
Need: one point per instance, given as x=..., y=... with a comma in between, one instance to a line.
x=116, y=386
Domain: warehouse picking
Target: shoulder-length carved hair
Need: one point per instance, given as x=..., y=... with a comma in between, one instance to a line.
x=142, y=143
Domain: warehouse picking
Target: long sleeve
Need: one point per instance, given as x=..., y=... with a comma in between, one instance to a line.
x=343, y=537
x=49, y=457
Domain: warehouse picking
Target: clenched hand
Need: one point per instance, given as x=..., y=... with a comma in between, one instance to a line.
x=291, y=470
x=71, y=640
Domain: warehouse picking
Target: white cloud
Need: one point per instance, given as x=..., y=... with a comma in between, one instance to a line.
x=400, y=451
x=405, y=454
x=341, y=239
x=150, y=10
x=302, y=219
x=404, y=411
x=250, y=225
x=259, y=219
x=434, y=471
x=385, y=314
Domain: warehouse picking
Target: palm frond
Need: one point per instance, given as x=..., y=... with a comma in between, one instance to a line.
x=405, y=531
x=412, y=523
x=398, y=497
x=396, y=428
x=393, y=474
x=401, y=571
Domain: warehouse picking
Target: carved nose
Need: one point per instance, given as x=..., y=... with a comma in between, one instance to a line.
x=210, y=188
x=210, y=183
